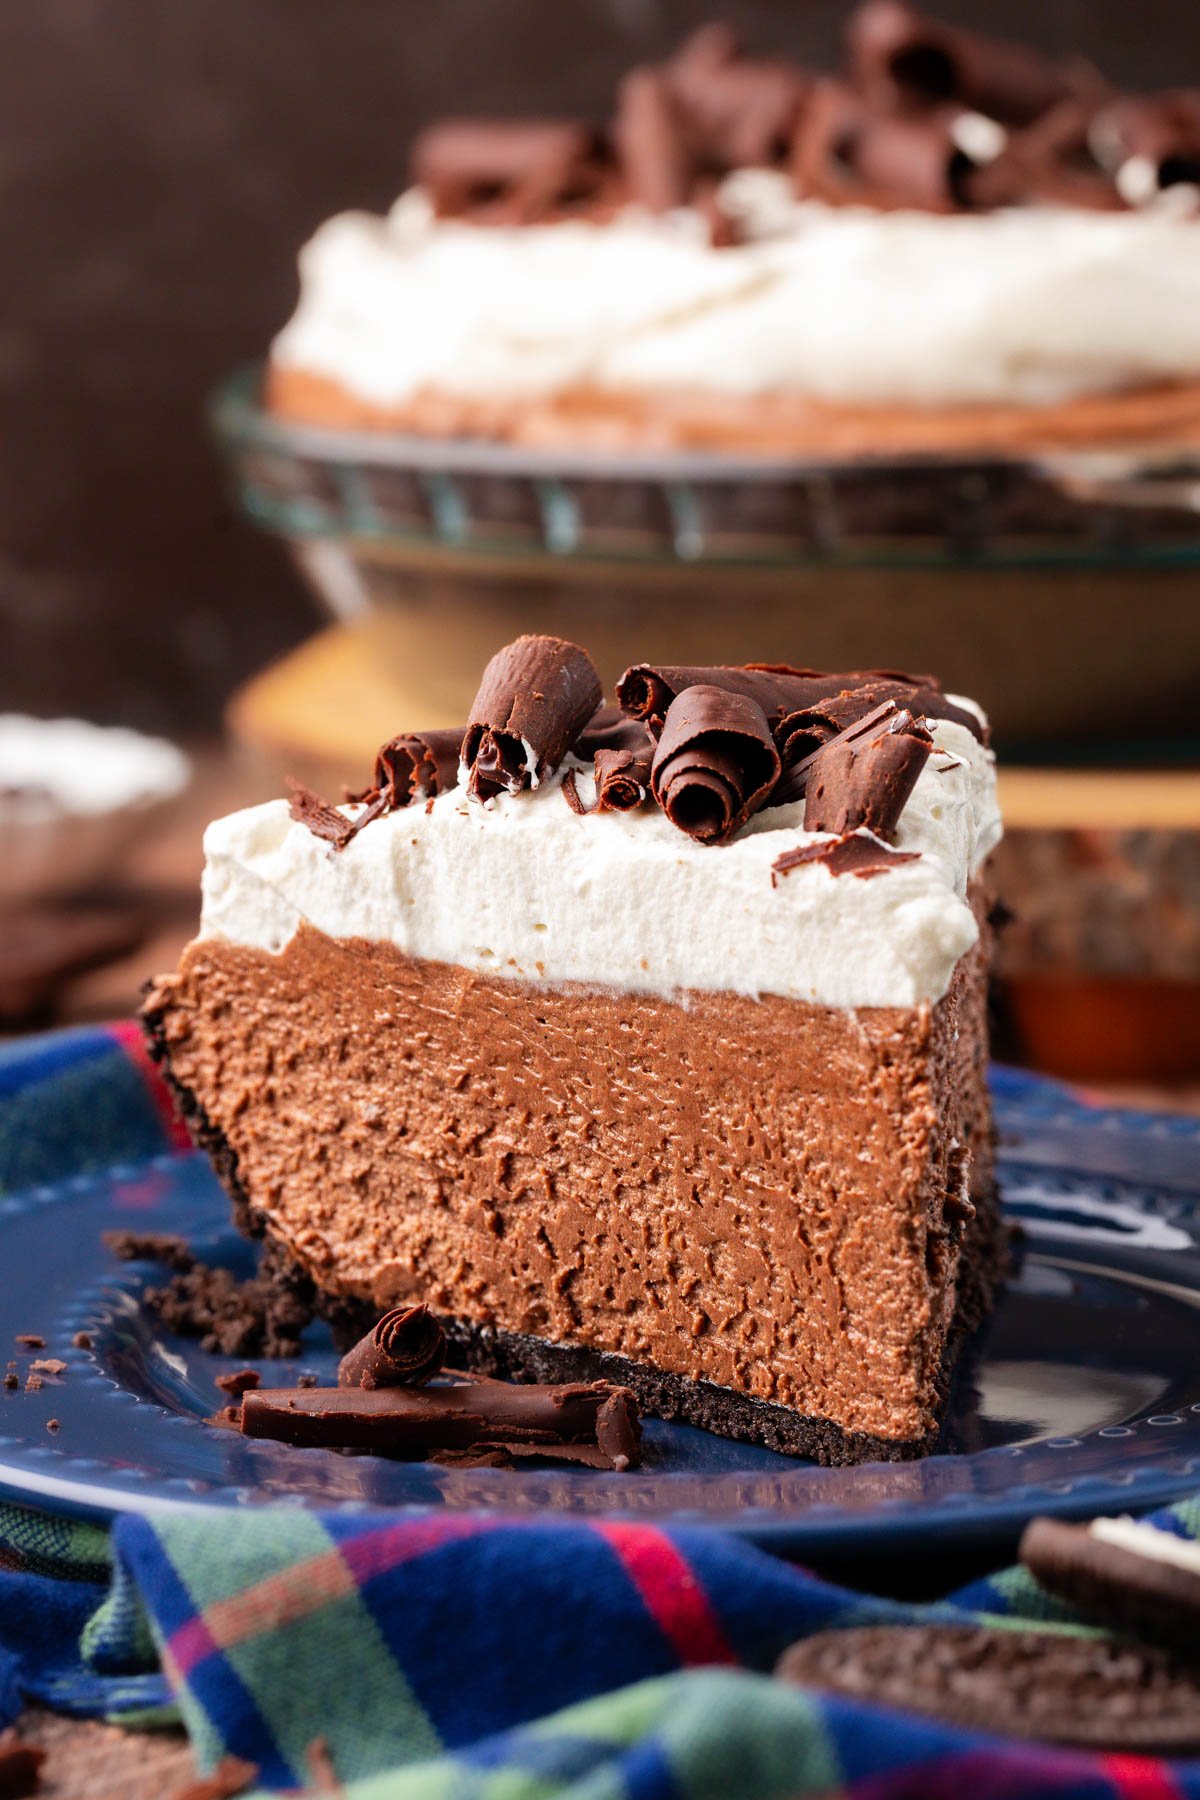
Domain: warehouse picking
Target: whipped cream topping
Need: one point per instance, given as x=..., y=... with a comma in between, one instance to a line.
x=70, y=766
x=1031, y=305
x=524, y=887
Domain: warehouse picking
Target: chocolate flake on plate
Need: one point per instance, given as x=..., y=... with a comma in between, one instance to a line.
x=238, y=1381
x=30, y=1340
x=49, y=1365
x=406, y=1348
x=855, y=854
x=716, y=762
x=464, y=1416
x=536, y=696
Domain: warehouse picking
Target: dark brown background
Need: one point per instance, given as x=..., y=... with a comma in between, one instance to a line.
x=160, y=162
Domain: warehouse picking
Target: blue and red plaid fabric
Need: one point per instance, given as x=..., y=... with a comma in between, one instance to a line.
x=453, y=1656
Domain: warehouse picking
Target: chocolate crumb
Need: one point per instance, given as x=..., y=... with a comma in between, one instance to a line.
x=49, y=1365
x=149, y=1246
x=53, y=1425
x=82, y=1340
x=232, y=1776
x=29, y=1340
x=231, y=1317
x=306, y=1381
x=226, y=1418
x=34, y=1384
x=11, y=1381
x=238, y=1381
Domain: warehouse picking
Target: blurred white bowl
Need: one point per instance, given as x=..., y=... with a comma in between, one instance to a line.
x=73, y=798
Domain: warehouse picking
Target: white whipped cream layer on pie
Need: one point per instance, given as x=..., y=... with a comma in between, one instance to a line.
x=524, y=887
x=1024, y=306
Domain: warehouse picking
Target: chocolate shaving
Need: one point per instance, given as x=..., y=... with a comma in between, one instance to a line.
x=716, y=762
x=865, y=775
x=507, y=171
x=850, y=154
x=536, y=696
x=11, y=1381
x=30, y=1340
x=800, y=735
x=570, y=788
x=413, y=1422
x=855, y=854
x=899, y=58
x=650, y=143
x=34, y=1384
x=406, y=1348
x=53, y=1424
x=418, y=765
x=20, y=1765
x=325, y=821
x=1149, y=142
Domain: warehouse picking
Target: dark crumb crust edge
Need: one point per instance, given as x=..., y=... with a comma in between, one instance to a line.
x=514, y=1355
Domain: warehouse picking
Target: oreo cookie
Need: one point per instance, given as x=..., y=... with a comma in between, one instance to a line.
x=1055, y=1688
x=1130, y=1577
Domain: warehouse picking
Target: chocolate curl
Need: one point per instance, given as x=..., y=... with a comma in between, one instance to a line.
x=406, y=1348
x=650, y=144
x=737, y=112
x=470, y=1416
x=899, y=57
x=1149, y=142
x=850, y=155
x=855, y=854
x=417, y=765
x=536, y=696
x=715, y=764
x=506, y=171
x=622, y=779
x=611, y=729
x=646, y=692
x=865, y=775
x=800, y=734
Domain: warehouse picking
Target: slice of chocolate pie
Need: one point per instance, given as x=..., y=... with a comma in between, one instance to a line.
x=645, y=1043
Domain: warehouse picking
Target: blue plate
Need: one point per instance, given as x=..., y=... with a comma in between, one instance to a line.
x=1082, y=1395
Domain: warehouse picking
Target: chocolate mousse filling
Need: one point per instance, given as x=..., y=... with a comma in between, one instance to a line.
x=771, y=1220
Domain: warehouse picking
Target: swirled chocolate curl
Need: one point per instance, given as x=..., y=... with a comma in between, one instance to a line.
x=1149, y=142
x=418, y=765
x=865, y=775
x=404, y=1349
x=849, y=153
x=646, y=691
x=800, y=735
x=900, y=57
x=507, y=171
x=650, y=144
x=467, y=1416
x=622, y=779
x=536, y=696
x=716, y=762
x=854, y=854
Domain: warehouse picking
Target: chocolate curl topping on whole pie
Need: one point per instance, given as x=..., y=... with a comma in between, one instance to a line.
x=507, y=171
x=900, y=57
x=848, y=152
x=716, y=762
x=1149, y=142
x=406, y=1348
x=650, y=143
x=865, y=775
x=590, y=1422
x=855, y=854
x=536, y=696
x=736, y=111
x=418, y=765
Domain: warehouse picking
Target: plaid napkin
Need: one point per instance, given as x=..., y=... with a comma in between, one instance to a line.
x=460, y=1657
